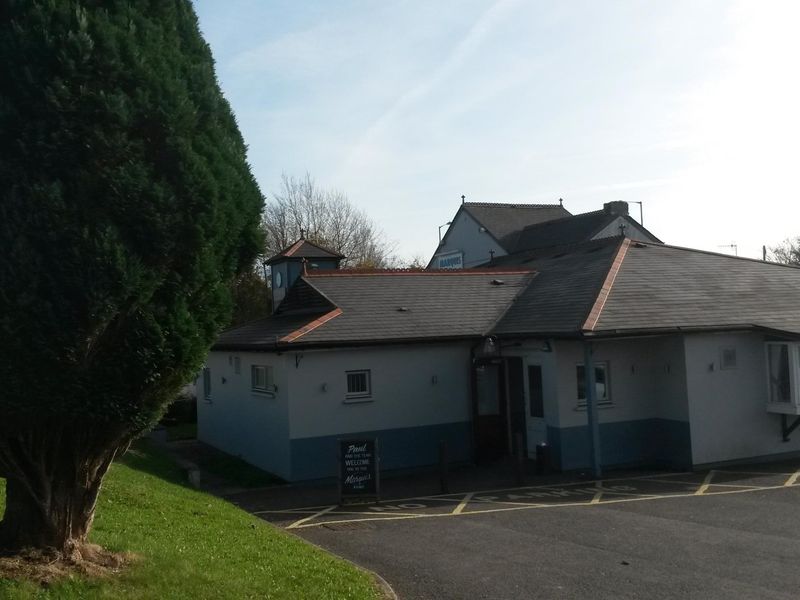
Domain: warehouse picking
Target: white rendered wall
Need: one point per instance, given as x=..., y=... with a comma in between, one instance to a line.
x=647, y=380
x=465, y=235
x=632, y=231
x=403, y=390
x=729, y=420
x=243, y=423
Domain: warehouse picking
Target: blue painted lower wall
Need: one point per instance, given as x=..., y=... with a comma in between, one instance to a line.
x=315, y=458
x=645, y=442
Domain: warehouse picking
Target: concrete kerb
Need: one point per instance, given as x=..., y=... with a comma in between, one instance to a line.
x=385, y=588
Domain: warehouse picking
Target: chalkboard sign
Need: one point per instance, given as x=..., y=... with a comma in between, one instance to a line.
x=358, y=470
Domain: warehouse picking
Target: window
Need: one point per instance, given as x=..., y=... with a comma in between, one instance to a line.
x=783, y=377
x=261, y=379
x=536, y=391
x=358, y=384
x=207, y=384
x=601, y=384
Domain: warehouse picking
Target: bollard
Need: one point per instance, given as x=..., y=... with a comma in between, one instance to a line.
x=520, y=459
x=443, y=467
x=542, y=458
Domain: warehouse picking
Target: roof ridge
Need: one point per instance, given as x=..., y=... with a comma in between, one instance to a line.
x=605, y=289
x=426, y=272
x=311, y=326
x=720, y=254
x=514, y=205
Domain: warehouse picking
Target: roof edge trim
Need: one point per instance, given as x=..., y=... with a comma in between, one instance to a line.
x=605, y=290
x=311, y=326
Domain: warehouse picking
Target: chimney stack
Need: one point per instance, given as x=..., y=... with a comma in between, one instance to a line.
x=618, y=207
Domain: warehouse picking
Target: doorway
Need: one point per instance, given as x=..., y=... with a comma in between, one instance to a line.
x=536, y=423
x=489, y=410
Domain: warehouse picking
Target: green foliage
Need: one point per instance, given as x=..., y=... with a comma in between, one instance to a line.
x=252, y=299
x=194, y=546
x=787, y=252
x=127, y=207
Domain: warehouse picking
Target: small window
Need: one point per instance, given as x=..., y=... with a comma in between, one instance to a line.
x=779, y=373
x=601, y=382
x=237, y=365
x=727, y=359
x=261, y=379
x=358, y=384
x=207, y=384
x=536, y=391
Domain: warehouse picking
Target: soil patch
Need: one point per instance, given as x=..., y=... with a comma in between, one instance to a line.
x=45, y=568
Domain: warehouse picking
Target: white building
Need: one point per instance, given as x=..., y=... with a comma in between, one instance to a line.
x=694, y=359
x=483, y=231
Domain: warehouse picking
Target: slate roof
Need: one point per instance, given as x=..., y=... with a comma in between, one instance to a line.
x=564, y=291
x=667, y=287
x=607, y=287
x=568, y=230
x=302, y=248
x=387, y=306
x=505, y=221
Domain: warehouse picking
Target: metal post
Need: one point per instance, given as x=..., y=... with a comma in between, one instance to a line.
x=443, y=467
x=591, y=409
x=519, y=461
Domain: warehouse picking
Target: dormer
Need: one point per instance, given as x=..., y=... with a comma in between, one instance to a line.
x=287, y=265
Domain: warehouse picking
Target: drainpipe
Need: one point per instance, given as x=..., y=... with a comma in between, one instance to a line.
x=591, y=409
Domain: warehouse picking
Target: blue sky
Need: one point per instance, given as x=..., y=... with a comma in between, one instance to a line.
x=692, y=107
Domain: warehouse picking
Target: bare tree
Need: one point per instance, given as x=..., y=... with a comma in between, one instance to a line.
x=787, y=252
x=326, y=217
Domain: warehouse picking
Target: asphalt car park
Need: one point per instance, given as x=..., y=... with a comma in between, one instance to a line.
x=725, y=533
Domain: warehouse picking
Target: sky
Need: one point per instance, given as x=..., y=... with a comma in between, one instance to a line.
x=691, y=107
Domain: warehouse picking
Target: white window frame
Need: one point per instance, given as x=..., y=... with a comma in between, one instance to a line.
x=609, y=401
x=360, y=396
x=793, y=406
x=268, y=387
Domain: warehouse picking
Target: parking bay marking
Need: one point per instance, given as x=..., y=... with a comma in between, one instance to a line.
x=534, y=492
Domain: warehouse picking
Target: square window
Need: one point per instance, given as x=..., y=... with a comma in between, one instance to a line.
x=601, y=384
x=358, y=384
x=261, y=379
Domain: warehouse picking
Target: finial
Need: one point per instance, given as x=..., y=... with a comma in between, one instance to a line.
x=561, y=202
x=463, y=197
x=302, y=233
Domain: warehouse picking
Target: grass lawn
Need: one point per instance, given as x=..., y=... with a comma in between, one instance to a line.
x=195, y=546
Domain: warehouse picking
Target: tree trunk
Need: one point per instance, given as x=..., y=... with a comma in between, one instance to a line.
x=52, y=482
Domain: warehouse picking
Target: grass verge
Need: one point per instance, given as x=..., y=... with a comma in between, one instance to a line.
x=193, y=545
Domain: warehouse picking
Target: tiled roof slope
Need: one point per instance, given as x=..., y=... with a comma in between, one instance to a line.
x=665, y=287
x=302, y=248
x=438, y=305
x=504, y=221
x=262, y=334
x=564, y=291
x=569, y=230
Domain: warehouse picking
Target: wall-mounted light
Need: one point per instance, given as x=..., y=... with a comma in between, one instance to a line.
x=324, y=387
x=434, y=380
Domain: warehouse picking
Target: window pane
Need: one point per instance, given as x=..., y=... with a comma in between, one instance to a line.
x=601, y=385
x=581, y=374
x=778, y=366
x=358, y=383
x=207, y=383
x=536, y=391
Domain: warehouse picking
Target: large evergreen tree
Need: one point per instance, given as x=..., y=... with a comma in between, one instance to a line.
x=127, y=207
